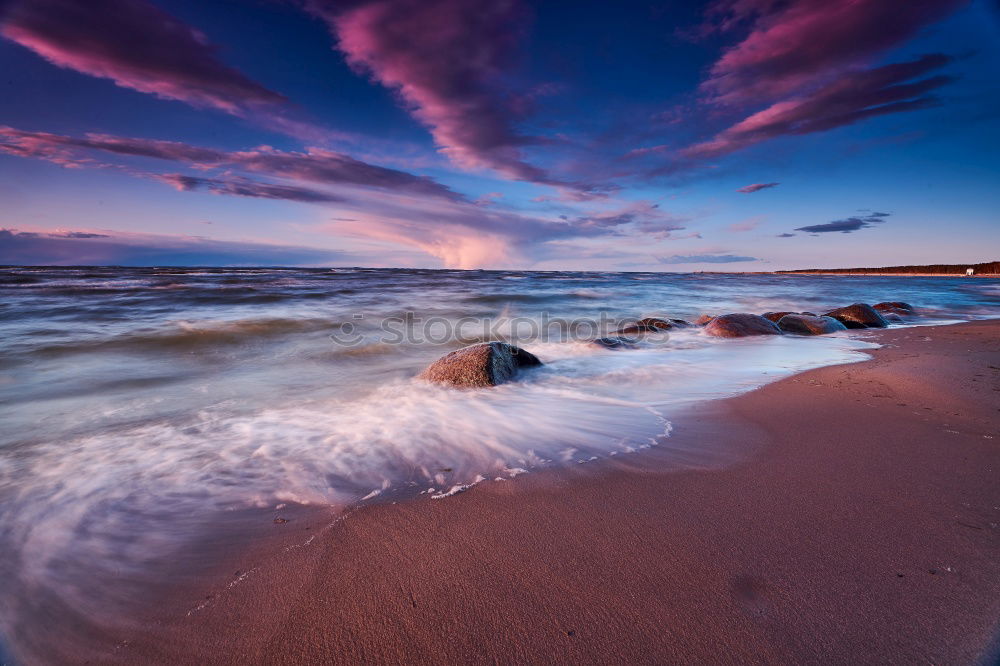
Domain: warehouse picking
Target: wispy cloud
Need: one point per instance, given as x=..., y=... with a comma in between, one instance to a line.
x=370, y=201
x=745, y=225
x=845, y=226
x=447, y=61
x=467, y=235
x=803, y=64
x=244, y=187
x=756, y=187
x=644, y=216
x=139, y=46
x=796, y=45
x=132, y=249
x=856, y=96
x=136, y=45
x=313, y=165
x=705, y=259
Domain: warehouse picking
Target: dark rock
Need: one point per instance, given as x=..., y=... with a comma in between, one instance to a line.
x=681, y=323
x=486, y=364
x=703, y=319
x=894, y=307
x=858, y=315
x=647, y=325
x=809, y=325
x=775, y=316
x=614, y=342
x=741, y=325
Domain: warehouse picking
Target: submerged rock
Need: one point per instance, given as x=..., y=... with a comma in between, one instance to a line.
x=801, y=324
x=486, y=364
x=859, y=315
x=614, y=342
x=775, y=316
x=894, y=307
x=647, y=325
x=703, y=320
x=740, y=325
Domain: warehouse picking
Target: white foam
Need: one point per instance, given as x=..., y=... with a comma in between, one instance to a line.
x=85, y=495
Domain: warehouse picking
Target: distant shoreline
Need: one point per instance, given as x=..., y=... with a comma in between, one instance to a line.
x=843, y=274
x=980, y=269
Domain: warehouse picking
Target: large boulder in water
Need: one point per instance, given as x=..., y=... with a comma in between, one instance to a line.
x=741, y=325
x=801, y=324
x=859, y=315
x=615, y=342
x=894, y=307
x=486, y=364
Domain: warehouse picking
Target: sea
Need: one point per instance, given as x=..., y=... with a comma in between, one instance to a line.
x=140, y=405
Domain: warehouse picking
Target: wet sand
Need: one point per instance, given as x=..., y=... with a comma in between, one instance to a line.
x=858, y=523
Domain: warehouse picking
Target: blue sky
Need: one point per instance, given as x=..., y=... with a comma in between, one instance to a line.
x=500, y=134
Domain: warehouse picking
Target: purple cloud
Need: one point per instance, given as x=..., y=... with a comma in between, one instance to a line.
x=855, y=97
x=81, y=234
x=704, y=259
x=795, y=45
x=446, y=60
x=79, y=248
x=378, y=203
x=803, y=62
x=641, y=216
x=756, y=187
x=136, y=45
x=847, y=225
x=247, y=188
x=315, y=165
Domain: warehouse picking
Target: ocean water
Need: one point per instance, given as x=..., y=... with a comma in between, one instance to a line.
x=132, y=399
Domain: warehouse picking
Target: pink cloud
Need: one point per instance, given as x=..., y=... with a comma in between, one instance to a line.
x=756, y=187
x=792, y=45
x=447, y=60
x=802, y=66
x=745, y=225
x=649, y=150
x=136, y=45
x=854, y=97
x=370, y=202
x=314, y=165
x=467, y=235
x=642, y=216
x=243, y=187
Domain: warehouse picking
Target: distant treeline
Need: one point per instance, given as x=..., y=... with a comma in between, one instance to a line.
x=991, y=267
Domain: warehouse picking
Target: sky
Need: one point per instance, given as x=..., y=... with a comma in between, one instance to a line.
x=728, y=135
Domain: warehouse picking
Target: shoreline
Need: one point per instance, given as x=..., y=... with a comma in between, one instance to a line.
x=954, y=275
x=809, y=543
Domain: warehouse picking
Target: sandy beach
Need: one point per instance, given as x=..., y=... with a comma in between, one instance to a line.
x=855, y=521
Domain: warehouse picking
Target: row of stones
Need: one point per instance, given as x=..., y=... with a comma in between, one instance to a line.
x=492, y=363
